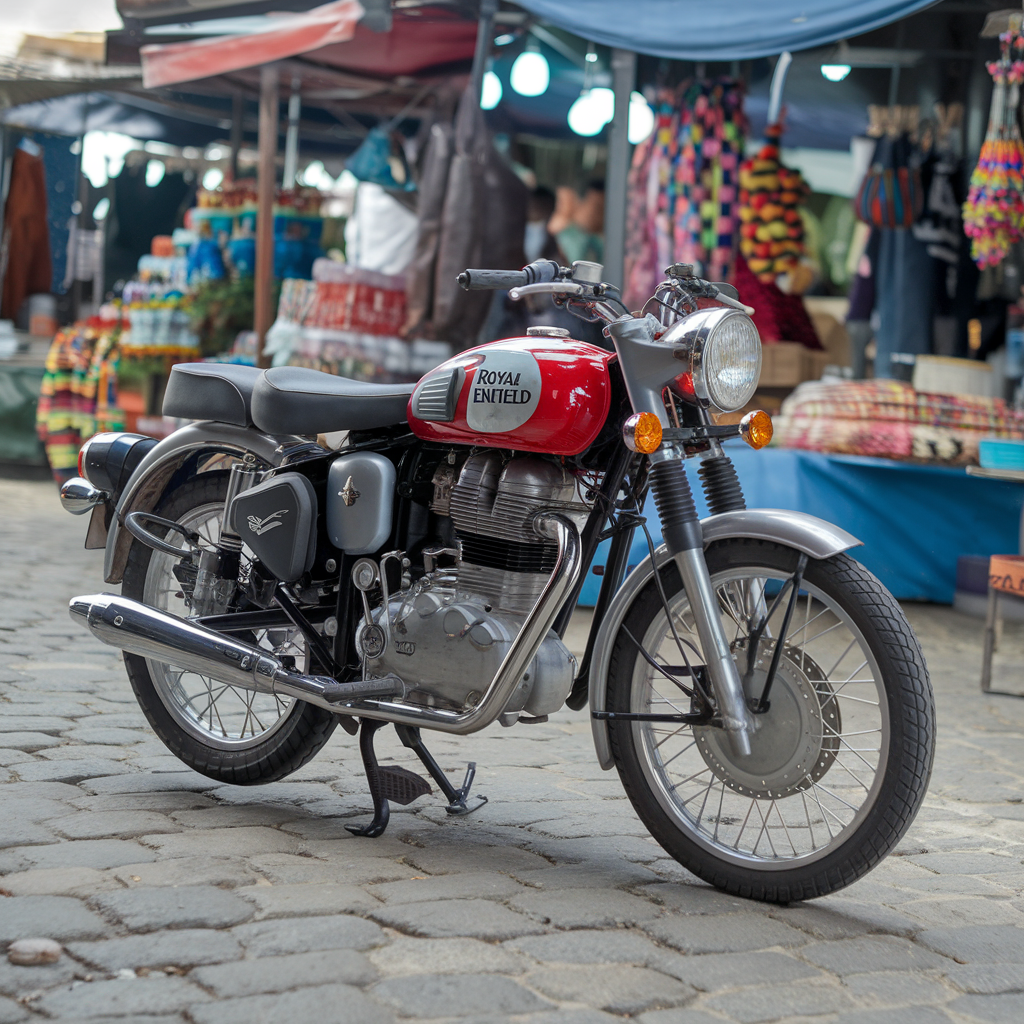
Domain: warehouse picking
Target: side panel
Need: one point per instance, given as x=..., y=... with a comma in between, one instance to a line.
x=538, y=394
x=814, y=537
x=150, y=479
x=360, y=502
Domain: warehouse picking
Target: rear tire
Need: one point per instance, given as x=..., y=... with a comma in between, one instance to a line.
x=298, y=731
x=820, y=763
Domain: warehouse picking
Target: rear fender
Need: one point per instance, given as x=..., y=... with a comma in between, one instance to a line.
x=149, y=481
x=814, y=537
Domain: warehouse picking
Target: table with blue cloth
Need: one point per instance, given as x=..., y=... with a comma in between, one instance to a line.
x=915, y=520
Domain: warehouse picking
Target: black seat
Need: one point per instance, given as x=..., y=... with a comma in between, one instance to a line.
x=211, y=391
x=296, y=400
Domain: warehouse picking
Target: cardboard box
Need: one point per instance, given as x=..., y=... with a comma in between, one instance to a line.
x=784, y=364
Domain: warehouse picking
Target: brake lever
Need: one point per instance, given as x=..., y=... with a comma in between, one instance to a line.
x=569, y=288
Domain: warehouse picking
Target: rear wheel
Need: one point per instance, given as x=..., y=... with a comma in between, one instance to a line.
x=225, y=732
x=841, y=759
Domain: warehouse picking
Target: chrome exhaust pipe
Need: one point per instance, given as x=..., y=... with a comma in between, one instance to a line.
x=139, y=629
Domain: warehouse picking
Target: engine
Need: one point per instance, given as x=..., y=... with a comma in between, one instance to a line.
x=447, y=633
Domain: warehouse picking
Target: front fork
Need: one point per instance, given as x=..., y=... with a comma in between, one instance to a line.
x=681, y=532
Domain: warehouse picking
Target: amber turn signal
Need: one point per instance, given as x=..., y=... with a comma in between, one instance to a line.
x=642, y=433
x=756, y=428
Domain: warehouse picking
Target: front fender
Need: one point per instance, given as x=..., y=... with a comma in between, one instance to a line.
x=150, y=479
x=814, y=537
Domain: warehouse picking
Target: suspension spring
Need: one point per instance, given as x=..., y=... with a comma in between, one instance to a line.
x=721, y=485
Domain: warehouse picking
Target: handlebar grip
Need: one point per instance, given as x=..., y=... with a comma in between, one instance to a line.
x=486, y=280
x=532, y=273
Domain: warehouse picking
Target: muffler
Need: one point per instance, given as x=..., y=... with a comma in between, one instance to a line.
x=139, y=629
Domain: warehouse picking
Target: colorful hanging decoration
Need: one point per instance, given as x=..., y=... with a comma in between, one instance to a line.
x=684, y=186
x=994, y=210
x=771, y=230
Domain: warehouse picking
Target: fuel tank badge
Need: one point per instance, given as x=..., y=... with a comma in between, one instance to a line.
x=505, y=392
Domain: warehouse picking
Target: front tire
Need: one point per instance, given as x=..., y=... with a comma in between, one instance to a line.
x=840, y=761
x=223, y=732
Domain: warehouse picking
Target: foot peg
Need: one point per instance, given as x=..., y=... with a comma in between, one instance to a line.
x=394, y=783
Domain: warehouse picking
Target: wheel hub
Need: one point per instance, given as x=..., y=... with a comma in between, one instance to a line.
x=795, y=741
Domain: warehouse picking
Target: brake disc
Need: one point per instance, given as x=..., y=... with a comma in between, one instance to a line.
x=796, y=740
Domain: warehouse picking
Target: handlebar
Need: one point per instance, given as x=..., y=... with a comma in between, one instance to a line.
x=547, y=288
x=489, y=280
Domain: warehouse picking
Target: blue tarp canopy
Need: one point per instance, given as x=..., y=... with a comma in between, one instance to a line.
x=710, y=30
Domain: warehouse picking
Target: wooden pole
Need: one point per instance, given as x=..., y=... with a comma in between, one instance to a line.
x=264, y=282
x=623, y=77
x=237, y=114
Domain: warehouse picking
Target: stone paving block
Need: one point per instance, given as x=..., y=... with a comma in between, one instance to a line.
x=222, y=842
x=185, y=947
x=888, y=988
x=153, y=995
x=27, y=742
x=111, y=824
x=446, y=995
x=404, y=956
x=325, y=1004
x=870, y=953
x=609, y=946
x=164, y=782
x=466, y=885
x=475, y=919
x=954, y=913
x=967, y=862
x=680, y=1015
x=586, y=876
x=10, y=755
x=167, y=803
x=80, y=751
x=34, y=723
x=110, y=735
x=698, y=898
x=11, y=1012
x=281, y=973
x=85, y=853
x=291, y=868
x=894, y=1015
x=585, y=908
x=185, y=906
x=725, y=933
x=306, y=900
x=780, y=1002
x=617, y=988
x=218, y=816
x=447, y=858
x=18, y=981
x=40, y=794
x=52, y=917
x=307, y=934
x=59, y=882
x=977, y=943
x=219, y=871
x=833, y=918
x=710, y=972
x=986, y=979
x=1003, y=1009
x=25, y=833
x=70, y=771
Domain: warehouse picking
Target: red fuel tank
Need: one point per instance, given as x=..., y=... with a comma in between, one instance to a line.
x=535, y=394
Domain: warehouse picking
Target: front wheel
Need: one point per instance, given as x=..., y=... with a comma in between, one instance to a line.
x=840, y=761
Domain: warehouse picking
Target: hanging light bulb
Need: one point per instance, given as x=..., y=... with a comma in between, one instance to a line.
x=641, y=118
x=490, y=94
x=592, y=111
x=835, y=72
x=530, y=74
x=155, y=171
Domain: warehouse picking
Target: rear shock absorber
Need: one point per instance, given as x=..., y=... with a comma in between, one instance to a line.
x=721, y=485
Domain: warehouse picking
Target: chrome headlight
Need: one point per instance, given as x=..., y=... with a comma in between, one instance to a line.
x=724, y=351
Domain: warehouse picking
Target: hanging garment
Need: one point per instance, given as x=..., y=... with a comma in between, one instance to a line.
x=26, y=239
x=904, y=298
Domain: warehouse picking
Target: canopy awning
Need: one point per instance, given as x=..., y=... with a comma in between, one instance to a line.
x=721, y=30
x=285, y=36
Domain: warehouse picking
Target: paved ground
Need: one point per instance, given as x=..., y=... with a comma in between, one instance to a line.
x=180, y=899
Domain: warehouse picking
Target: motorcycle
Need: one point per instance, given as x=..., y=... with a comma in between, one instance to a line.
x=762, y=696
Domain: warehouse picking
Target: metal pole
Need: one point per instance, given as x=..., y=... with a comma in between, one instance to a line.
x=484, y=40
x=623, y=77
x=778, y=85
x=291, y=141
x=263, y=313
x=237, y=113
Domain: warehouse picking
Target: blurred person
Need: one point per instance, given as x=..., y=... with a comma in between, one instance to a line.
x=538, y=242
x=581, y=234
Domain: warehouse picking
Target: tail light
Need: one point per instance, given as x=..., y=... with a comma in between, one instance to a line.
x=108, y=460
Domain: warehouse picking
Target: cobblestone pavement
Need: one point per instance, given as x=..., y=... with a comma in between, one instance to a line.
x=181, y=899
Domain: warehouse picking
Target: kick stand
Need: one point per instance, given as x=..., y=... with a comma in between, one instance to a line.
x=410, y=737
x=389, y=783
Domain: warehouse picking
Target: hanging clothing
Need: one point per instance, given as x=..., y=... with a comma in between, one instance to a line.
x=904, y=298
x=683, y=186
x=26, y=238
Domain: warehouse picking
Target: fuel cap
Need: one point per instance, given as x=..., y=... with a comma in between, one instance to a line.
x=547, y=332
